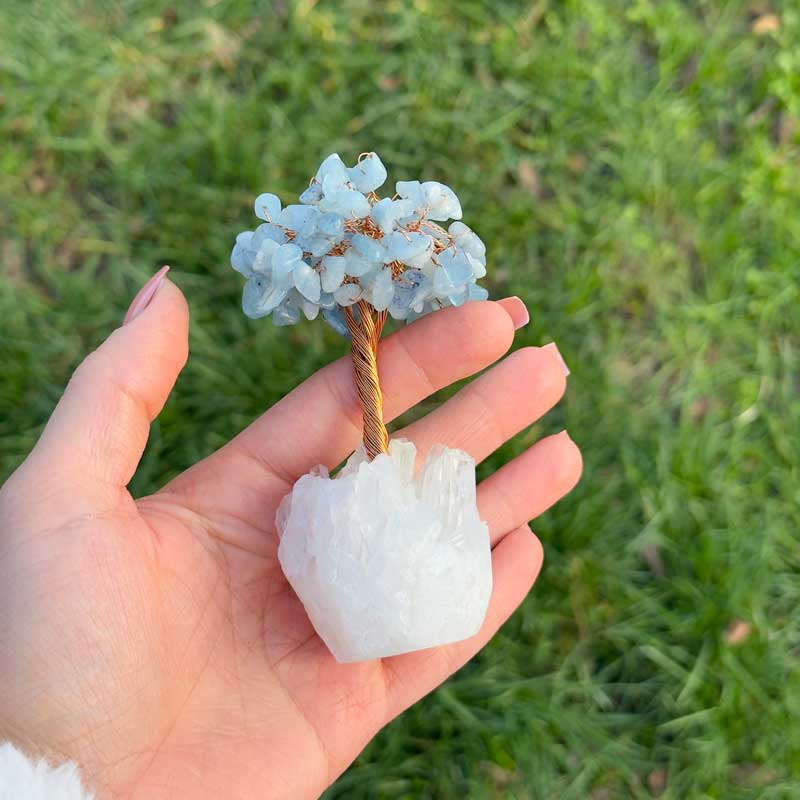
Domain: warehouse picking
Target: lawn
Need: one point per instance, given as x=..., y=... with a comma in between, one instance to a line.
x=634, y=168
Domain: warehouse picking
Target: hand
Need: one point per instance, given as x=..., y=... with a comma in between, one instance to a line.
x=156, y=641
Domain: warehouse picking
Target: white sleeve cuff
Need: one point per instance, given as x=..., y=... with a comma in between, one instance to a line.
x=23, y=778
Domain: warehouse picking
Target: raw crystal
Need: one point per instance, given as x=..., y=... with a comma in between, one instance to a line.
x=476, y=292
x=243, y=254
x=387, y=212
x=412, y=191
x=335, y=318
x=468, y=241
x=406, y=286
x=385, y=562
x=368, y=174
x=368, y=248
x=412, y=248
x=348, y=294
x=284, y=260
x=440, y=201
x=312, y=195
x=287, y=313
x=267, y=206
x=260, y=297
x=327, y=301
x=306, y=281
x=310, y=310
x=263, y=259
x=346, y=202
x=267, y=230
x=442, y=284
x=294, y=217
x=478, y=267
x=457, y=266
x=382, y=290
x=357, y=265
x=331, y=225
x=332, y=274
x=333, y=171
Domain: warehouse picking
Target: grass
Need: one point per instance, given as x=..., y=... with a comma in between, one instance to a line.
x=634, y=169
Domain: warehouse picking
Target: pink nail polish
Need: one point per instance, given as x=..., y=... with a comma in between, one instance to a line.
x=517, y=310
x=554, y=349
x=145, y=295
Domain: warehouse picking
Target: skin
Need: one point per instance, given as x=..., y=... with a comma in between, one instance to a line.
x=156, y=641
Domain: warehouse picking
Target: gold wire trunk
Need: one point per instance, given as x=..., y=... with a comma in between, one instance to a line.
x=364, y=335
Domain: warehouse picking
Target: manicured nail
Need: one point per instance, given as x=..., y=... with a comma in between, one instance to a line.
x=517, y=310
x=145, y=295
x=553, y=349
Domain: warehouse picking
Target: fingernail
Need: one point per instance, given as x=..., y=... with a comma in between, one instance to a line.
x=145, y=295
x=553, y=349
x=517, y=310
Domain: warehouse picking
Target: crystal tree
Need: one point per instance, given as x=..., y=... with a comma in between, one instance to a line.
x=385, y=558
x=358, y=258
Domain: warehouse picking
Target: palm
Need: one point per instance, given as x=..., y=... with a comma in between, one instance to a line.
x=251, y=654
x=193, y=668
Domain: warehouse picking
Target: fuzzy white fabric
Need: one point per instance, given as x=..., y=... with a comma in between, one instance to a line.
x=23, y=778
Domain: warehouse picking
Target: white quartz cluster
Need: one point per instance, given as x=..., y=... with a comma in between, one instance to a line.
x=386, y=562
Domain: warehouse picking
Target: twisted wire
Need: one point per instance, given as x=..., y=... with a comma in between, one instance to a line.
x=364, y=335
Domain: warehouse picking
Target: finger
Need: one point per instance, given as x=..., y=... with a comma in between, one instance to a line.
x=529, y=484
x=495, y=406
x=99, y=428
x=516, y=562
x=320, y=421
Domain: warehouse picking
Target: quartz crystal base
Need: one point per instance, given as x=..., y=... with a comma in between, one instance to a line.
x=386, y=562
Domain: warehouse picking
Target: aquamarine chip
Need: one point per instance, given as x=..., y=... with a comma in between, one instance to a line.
x=268, y=207
x=368, y=174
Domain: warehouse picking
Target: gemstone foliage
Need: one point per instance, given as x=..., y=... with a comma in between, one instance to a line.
x=343, y=244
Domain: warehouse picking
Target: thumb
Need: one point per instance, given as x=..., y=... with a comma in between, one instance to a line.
x=98, y=431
